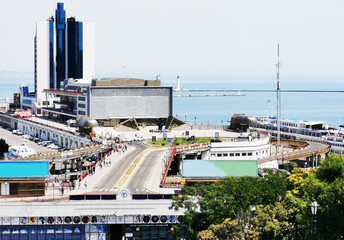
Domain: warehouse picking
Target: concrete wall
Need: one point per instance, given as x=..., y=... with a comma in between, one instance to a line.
x=127, y=102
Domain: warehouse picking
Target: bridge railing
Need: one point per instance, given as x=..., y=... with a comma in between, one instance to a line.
x=164, y=175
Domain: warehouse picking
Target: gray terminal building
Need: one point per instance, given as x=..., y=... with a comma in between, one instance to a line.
x=111, y=101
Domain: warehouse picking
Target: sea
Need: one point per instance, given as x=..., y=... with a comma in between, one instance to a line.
x=309, y=106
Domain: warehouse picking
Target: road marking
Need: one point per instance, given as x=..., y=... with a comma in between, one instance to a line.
x=100, y=190
x=130, y=170
x=106, y=190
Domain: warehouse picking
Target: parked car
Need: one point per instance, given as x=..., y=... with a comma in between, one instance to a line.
x=139, y=138
x=45, y=143
x=127, y=139
x=53, y=146
x=26, y=136
x=20, y=133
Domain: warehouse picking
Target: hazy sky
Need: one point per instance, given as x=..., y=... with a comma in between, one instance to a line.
x=193, y=38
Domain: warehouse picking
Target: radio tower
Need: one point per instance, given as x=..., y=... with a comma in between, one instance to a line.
x=278, y=103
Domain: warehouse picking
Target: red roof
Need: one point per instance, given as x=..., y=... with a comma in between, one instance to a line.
x=61, y=91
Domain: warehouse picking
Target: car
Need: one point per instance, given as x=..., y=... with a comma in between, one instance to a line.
x=45, y=143
x=9, y=129
x=154, y=130
x=26, y=136
x=127, y=139
x=36, y=140
x=20, y=133
x=53, y=146
x=139, y=138
x=15, y=131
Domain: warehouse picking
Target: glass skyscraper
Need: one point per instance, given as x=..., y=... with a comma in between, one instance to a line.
x=75, y=48
x=64, y=48
x=60, y=25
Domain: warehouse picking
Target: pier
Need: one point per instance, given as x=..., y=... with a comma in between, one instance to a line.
x=210, y=95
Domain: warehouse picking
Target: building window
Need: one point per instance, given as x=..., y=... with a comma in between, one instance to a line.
x=243, y=154
x=249, y=154
x=28, y=102
x=237, y=154
x=81, y=98
x=225, y=154
x=231, y=154
x=219, y=155
x=81, y=112
x=212, y=155
x=81, y=105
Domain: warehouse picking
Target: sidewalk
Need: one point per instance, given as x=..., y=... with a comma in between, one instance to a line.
x=102, y=167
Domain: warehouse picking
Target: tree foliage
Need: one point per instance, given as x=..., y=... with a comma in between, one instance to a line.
x=331, y=168
x=282, y=203
x=3, y=147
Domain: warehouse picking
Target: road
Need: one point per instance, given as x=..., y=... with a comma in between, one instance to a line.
x=111, y=178
x=149, y=167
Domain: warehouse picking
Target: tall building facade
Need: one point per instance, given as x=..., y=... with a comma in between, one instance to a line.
x=64, y=48
x=60, y=26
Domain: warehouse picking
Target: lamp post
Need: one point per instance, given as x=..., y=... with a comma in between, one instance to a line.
x=245, y=229
x=314, y=207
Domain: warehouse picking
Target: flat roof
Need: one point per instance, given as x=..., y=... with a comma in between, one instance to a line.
x=219, y=168
x=24, y=169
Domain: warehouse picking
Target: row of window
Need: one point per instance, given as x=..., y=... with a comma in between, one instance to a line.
x=81, y=112
x=244, y=154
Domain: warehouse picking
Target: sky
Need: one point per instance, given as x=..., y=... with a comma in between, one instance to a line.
x=197, y=39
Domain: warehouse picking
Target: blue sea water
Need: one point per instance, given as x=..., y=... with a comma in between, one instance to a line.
x=327, y=107
x=312, y=106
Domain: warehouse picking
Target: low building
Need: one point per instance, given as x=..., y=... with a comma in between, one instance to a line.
x=236, y=158
x=23, y=178
x=112, y=101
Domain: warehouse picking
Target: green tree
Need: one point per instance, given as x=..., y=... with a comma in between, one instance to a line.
x=207, y=204
x=331, y=168
x=3, y=147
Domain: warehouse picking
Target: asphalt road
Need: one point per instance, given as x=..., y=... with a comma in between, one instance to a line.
x=110, y=179
x=140, y=178
x=15, y=140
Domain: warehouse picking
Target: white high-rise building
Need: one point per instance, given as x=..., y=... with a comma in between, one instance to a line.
x=44, y=60
x=88, y=50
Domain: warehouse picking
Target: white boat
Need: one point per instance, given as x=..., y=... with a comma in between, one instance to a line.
x=20, y=151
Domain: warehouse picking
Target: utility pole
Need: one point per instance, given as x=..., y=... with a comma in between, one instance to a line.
x=278, y=103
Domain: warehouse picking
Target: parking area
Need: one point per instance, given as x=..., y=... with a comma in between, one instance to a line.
x=15, y=140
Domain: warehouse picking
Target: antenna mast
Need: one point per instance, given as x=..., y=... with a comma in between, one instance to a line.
x=278, y=103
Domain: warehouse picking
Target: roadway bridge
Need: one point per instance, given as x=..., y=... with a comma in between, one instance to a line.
x=313, y=151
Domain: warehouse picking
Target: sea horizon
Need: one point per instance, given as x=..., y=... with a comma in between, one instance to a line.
x=219, y=110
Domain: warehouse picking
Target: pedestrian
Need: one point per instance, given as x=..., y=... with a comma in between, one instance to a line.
x=62, y=190
x=85, y=184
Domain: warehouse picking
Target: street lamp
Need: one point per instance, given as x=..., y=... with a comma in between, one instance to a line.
x=314, y=207
x=245, y=229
